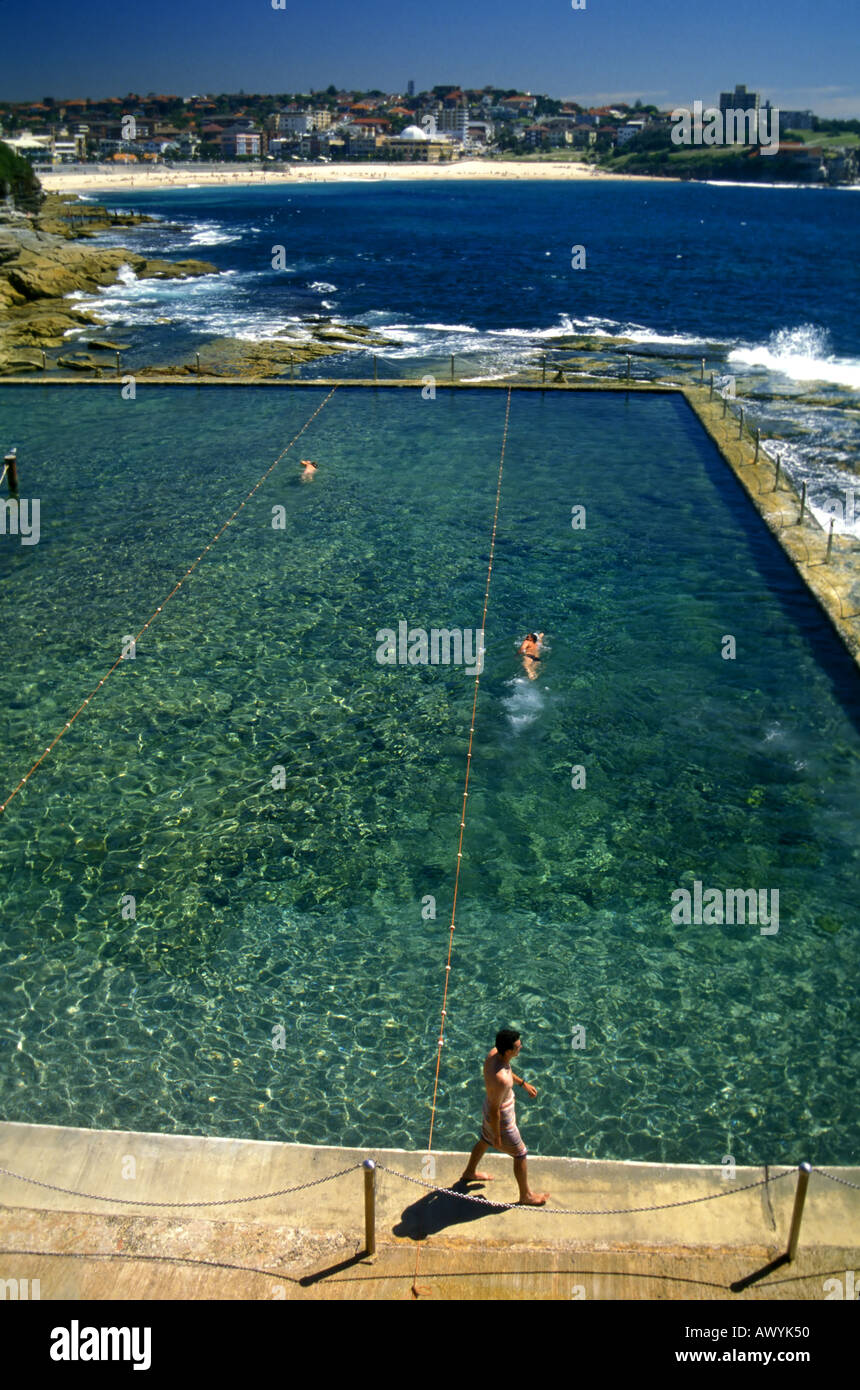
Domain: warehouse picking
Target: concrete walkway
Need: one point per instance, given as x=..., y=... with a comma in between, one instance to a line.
x=308, y=1244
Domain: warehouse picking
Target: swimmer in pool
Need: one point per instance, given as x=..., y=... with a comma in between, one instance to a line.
x=530, y=651
x=310, y=469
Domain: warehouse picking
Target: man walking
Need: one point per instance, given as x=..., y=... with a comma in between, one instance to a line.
x=499, y=1128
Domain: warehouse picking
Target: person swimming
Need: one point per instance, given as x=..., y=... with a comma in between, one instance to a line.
x=530, y=651
x=310, y=469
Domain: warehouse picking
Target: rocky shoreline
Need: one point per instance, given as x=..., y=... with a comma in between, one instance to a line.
x=46, y=255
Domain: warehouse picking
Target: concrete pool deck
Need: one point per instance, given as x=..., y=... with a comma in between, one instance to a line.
x=308, y=1244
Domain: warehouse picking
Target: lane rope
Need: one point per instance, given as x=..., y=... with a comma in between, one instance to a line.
x=452, y=928
x=218, y=534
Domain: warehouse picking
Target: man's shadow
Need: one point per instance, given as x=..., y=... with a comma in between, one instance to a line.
x=437, y=1210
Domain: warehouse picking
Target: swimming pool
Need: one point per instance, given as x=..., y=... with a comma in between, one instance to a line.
x=298, y=906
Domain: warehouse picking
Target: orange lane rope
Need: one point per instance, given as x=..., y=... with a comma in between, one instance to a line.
x=163, y=604
x=452, y=928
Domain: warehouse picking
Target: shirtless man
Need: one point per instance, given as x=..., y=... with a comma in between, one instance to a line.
x=500, y=1122
x=529, y=650
x=310, y=470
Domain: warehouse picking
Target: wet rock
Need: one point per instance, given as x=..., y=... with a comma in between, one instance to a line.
x=37, y=271
x=10, y=363
x=174, y=270
x=44, y=325
x=83, y=363
x=577, y=344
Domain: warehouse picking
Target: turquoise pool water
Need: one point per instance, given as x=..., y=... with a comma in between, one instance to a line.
x=301, y=906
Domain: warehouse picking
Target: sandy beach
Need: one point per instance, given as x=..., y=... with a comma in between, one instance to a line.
x=103, y=178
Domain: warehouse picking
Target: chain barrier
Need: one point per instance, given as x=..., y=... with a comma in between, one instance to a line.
x=833, y=1178
x=216, y=1202
x=585, y=1211
x=429, y=1186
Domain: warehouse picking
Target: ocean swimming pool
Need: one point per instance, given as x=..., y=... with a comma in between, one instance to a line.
x=300, y=907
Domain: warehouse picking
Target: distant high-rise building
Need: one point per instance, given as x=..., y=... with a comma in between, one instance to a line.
x=739, y=100
x=410, y=87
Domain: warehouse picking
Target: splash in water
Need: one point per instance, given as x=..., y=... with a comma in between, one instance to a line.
x=524, y=704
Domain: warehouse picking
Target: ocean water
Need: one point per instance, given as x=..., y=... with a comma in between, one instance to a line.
x=761, y=282
x=303, y=906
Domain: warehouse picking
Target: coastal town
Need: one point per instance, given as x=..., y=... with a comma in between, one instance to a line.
x=444, y=125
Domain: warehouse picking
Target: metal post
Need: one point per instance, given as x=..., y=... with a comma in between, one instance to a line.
x=369, y=1207
x=452, y=366
x=725, y=407
x=741, y=424
x=44, y=360
x=803, y=1173
x=11, y=462
x=375, y=377
x=711, y=392
x=802, y=504
x=628, y=366
x=757, y=442
x=118, y=368
x=702, y=373
x=292, y=366
x=830, y=541
x=197, y=355
x=776, y=479
x=543, y=374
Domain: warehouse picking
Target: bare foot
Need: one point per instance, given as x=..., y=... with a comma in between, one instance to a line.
x=534, y=1199
x=477, y=1177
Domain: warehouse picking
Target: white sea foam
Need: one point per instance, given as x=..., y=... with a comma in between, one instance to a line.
x=211, y=234
x=450, y=328
x=213, y=304
x=741, y=183
x=802, y=354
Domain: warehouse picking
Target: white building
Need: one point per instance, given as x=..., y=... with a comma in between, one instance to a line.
x=32, y=147
x=628, y=132
x=454, y=121
x=301, y=122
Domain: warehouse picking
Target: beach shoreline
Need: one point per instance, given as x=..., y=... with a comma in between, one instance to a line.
x=105, y=180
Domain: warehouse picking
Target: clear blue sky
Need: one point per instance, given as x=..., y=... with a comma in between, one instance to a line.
x=794, y=52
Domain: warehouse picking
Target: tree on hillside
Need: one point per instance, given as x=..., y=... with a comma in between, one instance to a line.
x=18, y=181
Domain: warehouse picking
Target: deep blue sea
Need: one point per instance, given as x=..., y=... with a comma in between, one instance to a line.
x=763, y=282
